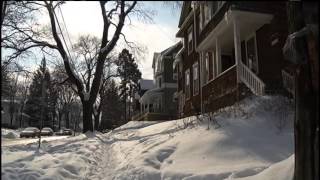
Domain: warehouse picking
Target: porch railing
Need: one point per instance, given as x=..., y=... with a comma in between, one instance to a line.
x=251, y=80
x=288, y=82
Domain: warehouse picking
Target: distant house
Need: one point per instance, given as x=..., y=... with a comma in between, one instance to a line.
x=143, y=86
x=229, y=48
x=158, y=103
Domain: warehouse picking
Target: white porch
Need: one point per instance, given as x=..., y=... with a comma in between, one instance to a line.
x=236, y=26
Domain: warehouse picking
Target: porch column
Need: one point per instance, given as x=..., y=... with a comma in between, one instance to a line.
x=218, y=56
x=237, y=46
x=148, y=108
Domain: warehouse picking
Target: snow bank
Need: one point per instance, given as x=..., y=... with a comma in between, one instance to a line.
x=254, y=134
x=10, y=133
x=68, y=158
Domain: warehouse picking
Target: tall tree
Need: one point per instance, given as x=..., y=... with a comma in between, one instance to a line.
x=35, y=103
x=306, y=125
x=130, y=74
x=88, y=98
x=87, y=50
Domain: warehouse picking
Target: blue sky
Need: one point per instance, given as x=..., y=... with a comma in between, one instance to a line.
x=83, y=17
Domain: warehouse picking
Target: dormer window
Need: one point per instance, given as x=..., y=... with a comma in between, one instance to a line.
x=190, y=39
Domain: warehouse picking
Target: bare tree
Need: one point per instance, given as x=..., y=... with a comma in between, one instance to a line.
x=114, y=16
x=65, y=93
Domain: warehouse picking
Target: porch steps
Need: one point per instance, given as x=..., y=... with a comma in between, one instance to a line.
x=251, y=80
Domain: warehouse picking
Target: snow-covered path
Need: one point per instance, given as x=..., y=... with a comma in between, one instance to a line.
x=250, y=144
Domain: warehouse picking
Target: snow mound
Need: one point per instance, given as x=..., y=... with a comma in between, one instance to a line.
x=9, y=133
x=281, y=170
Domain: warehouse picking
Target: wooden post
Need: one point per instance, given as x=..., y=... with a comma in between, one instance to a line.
x=237, y=48
x=218, y=56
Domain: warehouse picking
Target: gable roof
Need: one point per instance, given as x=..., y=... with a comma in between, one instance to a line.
x=186, y=8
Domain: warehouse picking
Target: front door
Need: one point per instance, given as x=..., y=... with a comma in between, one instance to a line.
x=252, y=58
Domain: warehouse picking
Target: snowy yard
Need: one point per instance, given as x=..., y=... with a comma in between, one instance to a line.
x=255, y=141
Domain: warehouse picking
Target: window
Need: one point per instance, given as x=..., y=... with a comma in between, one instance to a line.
x=187, y=83
x=190, y=41
x=195, y=79
x=207, y=11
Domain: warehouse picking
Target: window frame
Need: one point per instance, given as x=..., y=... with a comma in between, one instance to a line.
x=195, y=66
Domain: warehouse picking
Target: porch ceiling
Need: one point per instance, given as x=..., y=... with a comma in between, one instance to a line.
x=248, y=23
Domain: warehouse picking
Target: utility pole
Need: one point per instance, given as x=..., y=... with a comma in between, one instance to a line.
x=43, y=91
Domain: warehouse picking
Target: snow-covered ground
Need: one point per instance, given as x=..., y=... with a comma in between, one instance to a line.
x=254, y=141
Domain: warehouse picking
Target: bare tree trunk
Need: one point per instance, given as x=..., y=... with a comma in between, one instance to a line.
x=87, y=116
x=60, y=114
x=306, y=102
x=67, y=119
x=125, y=107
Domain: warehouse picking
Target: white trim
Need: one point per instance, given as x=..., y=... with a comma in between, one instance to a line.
x=252, y=35
x=214, y=64
x=218, y=56
x=196, y=64
x=188, y=42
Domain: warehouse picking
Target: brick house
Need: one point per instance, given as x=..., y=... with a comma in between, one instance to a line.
x=228, y=49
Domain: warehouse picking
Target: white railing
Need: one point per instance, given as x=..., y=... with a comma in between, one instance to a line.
x=251, y=80
x=288, y=82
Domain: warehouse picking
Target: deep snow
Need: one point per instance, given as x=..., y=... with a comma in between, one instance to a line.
x=255, y=141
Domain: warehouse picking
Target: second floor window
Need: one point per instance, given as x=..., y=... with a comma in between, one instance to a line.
x=195, y=79
x=187, y=83
x=190, y=39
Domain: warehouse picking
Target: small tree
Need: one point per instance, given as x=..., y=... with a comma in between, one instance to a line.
x=112, y=106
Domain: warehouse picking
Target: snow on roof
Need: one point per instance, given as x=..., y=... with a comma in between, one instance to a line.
x=146, y=84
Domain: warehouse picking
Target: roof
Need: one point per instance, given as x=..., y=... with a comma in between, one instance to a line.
x=146, y=84
x=186, y=6
x=165, y=52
